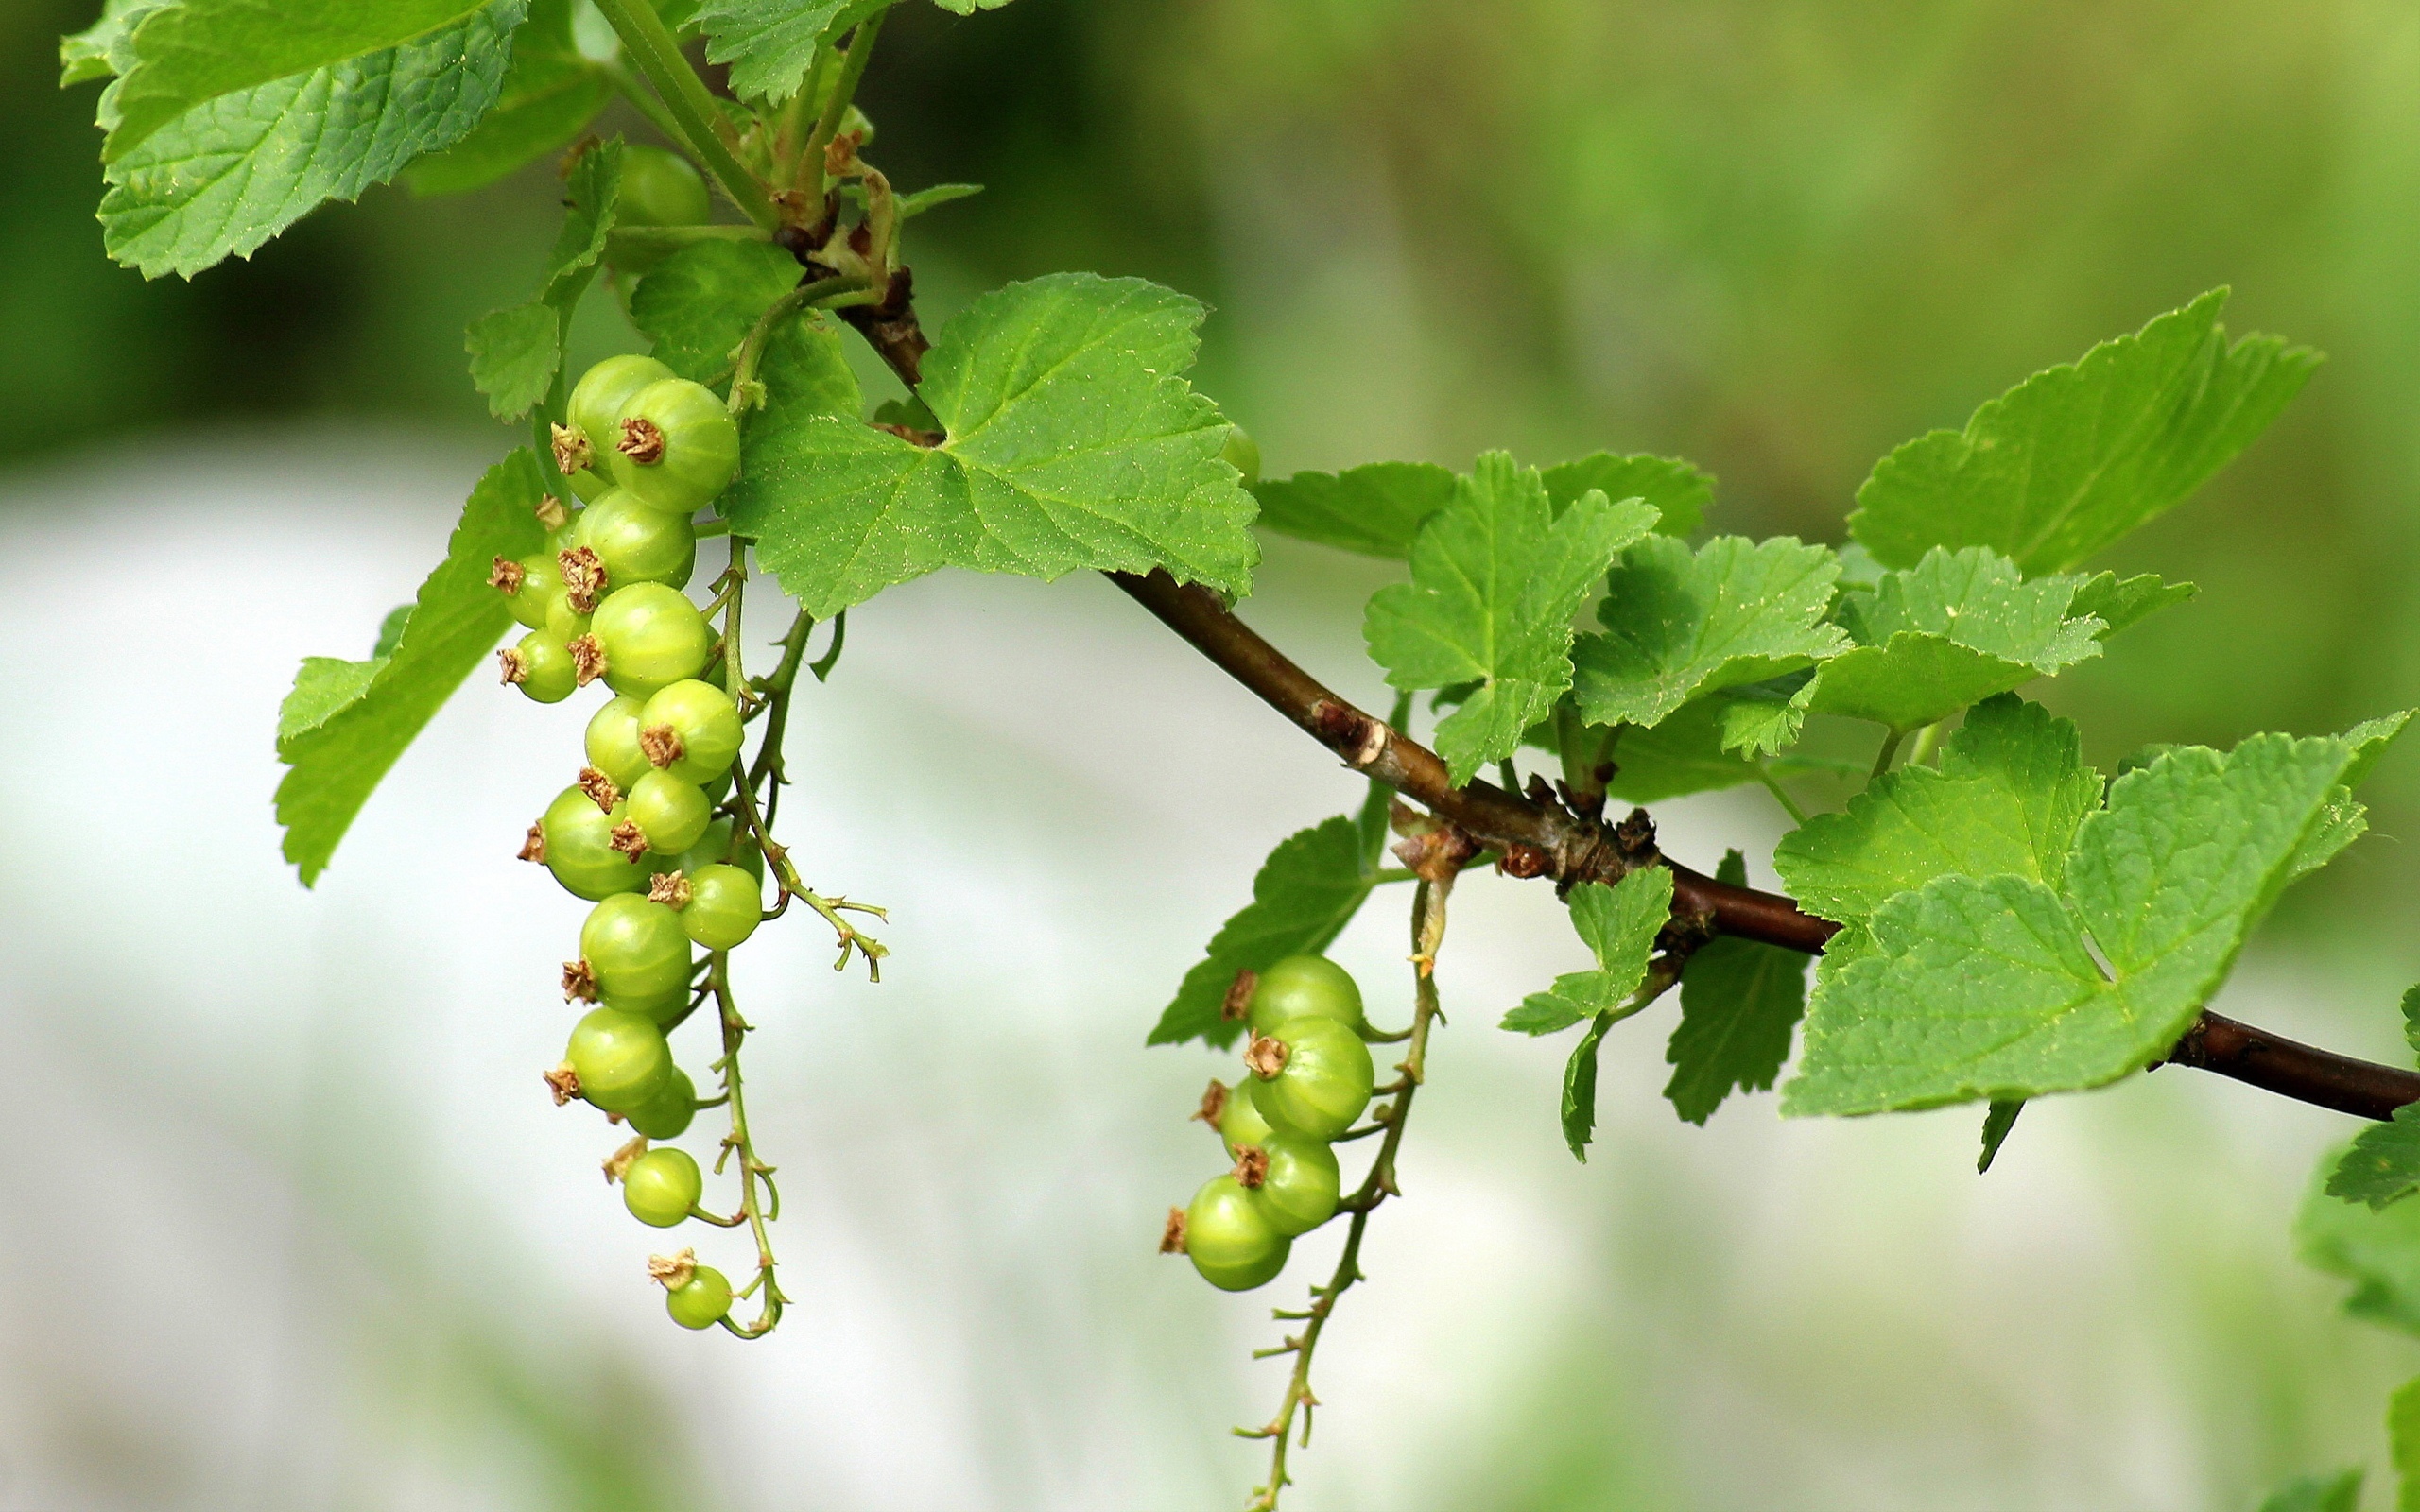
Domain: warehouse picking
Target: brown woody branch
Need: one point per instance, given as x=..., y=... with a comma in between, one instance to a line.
x=1541, y=837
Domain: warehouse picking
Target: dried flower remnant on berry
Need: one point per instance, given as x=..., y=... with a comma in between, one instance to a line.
x=618, y=1163
x=550, y=512
x=512, y=666
x=629, y=840
x=506, y=575
x=533, y=845
x=662, y=745
x=587, y=658
x=1214, y=1104
x=572, y=452
x=599, y=788
x=1173, y=1233
x=1237, y=1005
x=564, y=1082
x=675, y=1271
x=1252, y=1166
x=642, y=442
x=1265, y=1058
x=580, y=981
x=583, y=577
x=669, y=888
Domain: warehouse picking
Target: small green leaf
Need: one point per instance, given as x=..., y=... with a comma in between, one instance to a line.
x=2073, y=458
x=346, y=722
x=2383, y=1163
x=1579, y=1090
x=514, y=357
x=1679, y=623
x=1072, y=441
x=1764, y=719
x=1985, y=987
x=932, y=197
x=2377, y=1250
x=2340, y=1492
x=968, y=7
x=1619, y=924
x=1953, y=630
x=550, y=95
x=1680, y=492
x=233, y=172
x=390, y=631
x=1495, y=579
x=699, y=304
x=770, y=43
x=1997, y=1124
x=1740, y=1003
x=2122, y=602
x=106, y=48
x=1375, y=510
x=1685, y=754
x=1306, y=893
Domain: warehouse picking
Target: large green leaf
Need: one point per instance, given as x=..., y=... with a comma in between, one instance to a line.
x=2073, y=458
x=195, y=51
x=550, y=95
x=233, y=172
x=1618, y=924
x=1495, y=579
x=1679, y=623
x=1986, y=987
x=1954, y=629
x=1306, y=893
x=700, y=302
x=1071, y=440
x=346, y=722
x=1679, y=491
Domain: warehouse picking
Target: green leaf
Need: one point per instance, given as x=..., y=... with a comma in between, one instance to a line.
x=2007, y=799
x=233, y=172
x=2122, y=602
x=1495, y=579
x=932, y=197
x=1072, y=441
x=106, y=48
x=1375, y=510
x=550, y=95
x=200, y=50
x=1985, y=987
x=770, y=45
x=2073, y=458
x=1579, y=1090
x=1679, y=623
x=2340, y=1492
x=1685, y=754
x=1764, y=719
x=1998, y=1120
x=390, y=631
x=805, y=374
x=1677, y=490
x=968, y=7
x=1955, y=630
x=346, y=722
x=699, y=304
x=1619, y=924
x=2382, y=1164
x=2411, y=1017
x=514, y=357
x=1740, y=1003
x=1306, y=893
x=2403, y=1444
x=2377, y=1250
x=2347, y=820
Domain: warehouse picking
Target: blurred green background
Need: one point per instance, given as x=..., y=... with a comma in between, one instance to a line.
x=1775, y=236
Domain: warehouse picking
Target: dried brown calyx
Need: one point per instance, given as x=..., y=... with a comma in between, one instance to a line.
x=587, y=658
x=1173, y=1233
x=1251, y=1165
x=583, y=577
x=628, y=839
x=619, y=1162
x=1265, y=1058
x=564, y=1082
x=1214, y=1104
x=599, y=788
x=533, y=845
x=580, y=981
x=669, y=888
x=506, y=575
x=674, y=1270
x=662, y=745
x=642, y=442
x=550, y=511
x=1237, y=1007
x=512, y=665
x=571, y=452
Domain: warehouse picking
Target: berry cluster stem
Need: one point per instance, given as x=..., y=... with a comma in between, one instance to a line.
x=1427, y=932
x=755, y=1204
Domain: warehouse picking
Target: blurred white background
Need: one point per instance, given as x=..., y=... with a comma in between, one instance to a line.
x=290, y=1222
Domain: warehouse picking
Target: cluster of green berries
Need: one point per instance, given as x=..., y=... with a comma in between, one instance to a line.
x=1307, y=1078
x=637, y=833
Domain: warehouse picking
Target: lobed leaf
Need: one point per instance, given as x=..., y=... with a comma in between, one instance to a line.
x=1495, y=579
x=2382, y=1164
x=2075, y=457
x=2378, y=1250
x=699, y=304
x=346, y=722
x=770, y=45
x=1304, y=895
x=2119, y=603
x=1679, y=492
x=515, y=354
x=549, y=95
x=1618, y=924
x=1071, y=440
x=1375, y=510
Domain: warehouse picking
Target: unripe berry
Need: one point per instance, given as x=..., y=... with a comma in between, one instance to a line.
x=540, y=666
x=636, y=544
x=691, y=730
x=1231, y=1238
x=597, y=402
x=701, y=1301
x=576, y=843
x=671, y=813
x=661, y=1187
x=648, y=636
x=620, y=1059
x=675, y=447
x=613, y=741
x=637, y=952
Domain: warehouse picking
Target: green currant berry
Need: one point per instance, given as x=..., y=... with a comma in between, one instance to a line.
x=638, y=544
x=1242, y=454
x=636, y=949
x=620, y=1059
x=667, y=1115
x=725, y=906
x=717, y=848
x=672, y=814
x=1242, y=1124
x=577, y=842
x=659, y=188
x=540, y=666
x=564, y=622
x=1301, y=1184
x=1322, y=1085
x=661, y=1187
x=650, y=637
x=590, y=482
x=612, y=742
x=691, y=730
x=700, y=1303
x=597, y=399
x=1229, y=1235
x=676, y=446
x=1306, y=987
x=531, y=585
